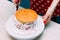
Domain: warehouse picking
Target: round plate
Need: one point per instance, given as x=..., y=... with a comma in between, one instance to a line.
x=27, y=34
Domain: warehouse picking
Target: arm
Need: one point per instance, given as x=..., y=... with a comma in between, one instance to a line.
x=48, y=15
x=52, y=7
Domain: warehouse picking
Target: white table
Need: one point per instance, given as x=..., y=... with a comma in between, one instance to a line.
x=51, y=32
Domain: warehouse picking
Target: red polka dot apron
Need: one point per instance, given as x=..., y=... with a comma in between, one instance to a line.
x=41, y=6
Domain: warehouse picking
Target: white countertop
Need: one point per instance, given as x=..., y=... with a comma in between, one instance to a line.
x=51, y=32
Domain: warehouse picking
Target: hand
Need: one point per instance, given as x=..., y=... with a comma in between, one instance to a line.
x=46, y=19
x=16, y=1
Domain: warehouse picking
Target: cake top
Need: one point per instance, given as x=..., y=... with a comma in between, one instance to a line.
x=26, y=15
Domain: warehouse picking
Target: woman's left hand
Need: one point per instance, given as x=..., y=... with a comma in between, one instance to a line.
x=46, y=19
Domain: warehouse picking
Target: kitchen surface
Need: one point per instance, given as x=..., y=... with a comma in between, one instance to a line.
x=51, y=31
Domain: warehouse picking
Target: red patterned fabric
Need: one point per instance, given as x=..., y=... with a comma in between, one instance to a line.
x=41, y=6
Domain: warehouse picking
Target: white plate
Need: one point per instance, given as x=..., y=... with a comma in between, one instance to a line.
x=27, y=34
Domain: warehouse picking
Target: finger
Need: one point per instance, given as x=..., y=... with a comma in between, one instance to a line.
x=45, y=19
x=16, y=1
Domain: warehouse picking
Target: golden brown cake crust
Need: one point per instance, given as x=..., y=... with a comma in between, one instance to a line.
x=26, y=15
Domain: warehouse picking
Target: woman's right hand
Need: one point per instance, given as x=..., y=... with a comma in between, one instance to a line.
x=16, y=2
